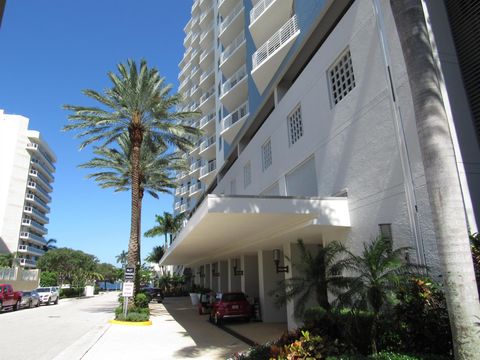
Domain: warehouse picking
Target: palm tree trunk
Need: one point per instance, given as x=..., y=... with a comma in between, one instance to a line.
x=136, y=138
x=441, y=175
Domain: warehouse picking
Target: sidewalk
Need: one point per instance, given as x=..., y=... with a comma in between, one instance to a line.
x=178, y=332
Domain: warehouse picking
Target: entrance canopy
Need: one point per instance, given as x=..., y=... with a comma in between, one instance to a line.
x=226, y=226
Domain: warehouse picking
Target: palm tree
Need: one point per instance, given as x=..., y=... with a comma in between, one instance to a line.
x=313, y=279
x=441, y=174
x=50, y=245
x=122, y=258
x=167, y=224
x=156, y=167
x=372, y=277
x=138, y=104
x=156, y=254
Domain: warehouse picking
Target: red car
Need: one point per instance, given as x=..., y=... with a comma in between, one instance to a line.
x=230, y=305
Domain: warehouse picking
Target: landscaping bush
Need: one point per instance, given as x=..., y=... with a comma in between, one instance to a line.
x=141, y=300
x=71, y=292
x=133, y=316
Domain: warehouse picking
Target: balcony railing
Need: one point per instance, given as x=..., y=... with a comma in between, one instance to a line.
x=30, y=249
x=228, y=20
x=183, y=208
x=288, y=30
x=206, y=13
x=24, y=262
x=30, y=222
x=232, y=47
x=177, y=205
x=183, y=190
x=235, y=115
x=207, y=169
x=205, y=53
x=258, y=9
x=35, y=146
x=38, y=163
x=46, y=182
x=196, y=165
x=30, y=236
x=206, y=74
x=195, y=187
x=234, y=79
x=205, y=34
x=32, y=210
x=207, y=95
x=207, y=143
x=206, y=119
x=32, y=197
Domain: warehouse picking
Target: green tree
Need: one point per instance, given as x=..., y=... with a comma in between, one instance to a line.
x=122, y=258
x=441, y=176
x=108, y=271
x=156, y=254
x=65, y=262
x=83, y=277
x=138, y=104
x=8, y=260
x=166, y=224
x=48, y=278
x=50, y=245
x=313, y=279
x=366, y=281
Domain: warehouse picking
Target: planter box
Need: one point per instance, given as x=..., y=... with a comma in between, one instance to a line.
x=195, y=297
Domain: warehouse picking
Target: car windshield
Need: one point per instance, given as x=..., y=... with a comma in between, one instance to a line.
x=233, y=297
x=43, y=290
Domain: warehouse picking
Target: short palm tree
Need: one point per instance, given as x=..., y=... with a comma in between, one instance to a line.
x=365, y=281
x=313, y=279
x=167, y=224
x=156, y=254
x=138, y=104
x=8, y=260
x=50, y=245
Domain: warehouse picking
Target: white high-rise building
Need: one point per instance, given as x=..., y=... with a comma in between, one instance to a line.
x=26, y=177
x=310, y=133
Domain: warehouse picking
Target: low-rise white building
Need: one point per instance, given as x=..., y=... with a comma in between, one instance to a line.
x=27, y=167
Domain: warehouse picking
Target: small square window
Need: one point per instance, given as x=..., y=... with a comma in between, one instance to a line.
x=295, y=125
x=247, y=175
x=341, y=77
x=266, y=155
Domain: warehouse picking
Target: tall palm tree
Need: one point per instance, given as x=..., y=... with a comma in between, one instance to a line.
x=156, y=168
x=167, y=224
x=313, y=279
x=441, y=176
x=122, y=258
x=138, y=104
x=372, y=277
x=156, y=254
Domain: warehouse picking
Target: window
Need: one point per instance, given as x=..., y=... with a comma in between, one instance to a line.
x=341, y=77
x=295, y=125
x=386, y=233
x=247, y=174
x=266, y=155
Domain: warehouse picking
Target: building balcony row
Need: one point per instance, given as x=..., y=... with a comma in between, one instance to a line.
x=30, y=250
x=232, y=24
x=35, y=148
x=31, y=237
x=34, y=225
x=40, y=166
x=38, y=190
x=35, y=214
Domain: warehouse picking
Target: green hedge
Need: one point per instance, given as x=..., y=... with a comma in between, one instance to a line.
x=71, y=293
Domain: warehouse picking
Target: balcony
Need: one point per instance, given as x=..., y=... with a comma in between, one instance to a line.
x=206, y=39
x=206, y=57
x=195, y=74
x=42, y=180
x=34, y=213
x=207, y=171
x=195, y=167
x=183, y=208
x=196, y=149
x=177, y=205
x=34, y=148
x=28, y=236
x=27, y=262
x=266, y=17
x=37, y=189
x=231, y=25
x=268, y=58
x=195, y=41
x=31, y=250
x=206, y=18
x=207, y=123
x=38, y=165
x=207, y=78
x=232, y=123
x=37, y=201
x=225, y=7
x=234, y=90
x=196, y=189
x=34, y=225
x=184, y=190
x=207, y=100
x=233, y=56
x=207, y=147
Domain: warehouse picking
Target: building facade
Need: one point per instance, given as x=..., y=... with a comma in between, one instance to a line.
x=27, y=164
x=309, y=133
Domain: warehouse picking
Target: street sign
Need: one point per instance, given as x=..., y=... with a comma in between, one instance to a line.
x=127, y=289
x=129, y=274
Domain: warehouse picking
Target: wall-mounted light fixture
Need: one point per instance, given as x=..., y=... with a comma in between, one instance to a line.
x=236, y=271
x=276, y=260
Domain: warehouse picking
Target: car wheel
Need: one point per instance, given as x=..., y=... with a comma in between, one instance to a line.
x=38, y=303
x=56, y=301
x=30, y=304
x=17, y=306
x=217, y=320
x=48, y=302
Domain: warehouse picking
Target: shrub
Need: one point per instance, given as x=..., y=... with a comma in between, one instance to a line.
x=141, y=300
x=133, y=316
x=71, y=292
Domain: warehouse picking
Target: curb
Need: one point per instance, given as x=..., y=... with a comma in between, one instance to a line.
x=131, y=323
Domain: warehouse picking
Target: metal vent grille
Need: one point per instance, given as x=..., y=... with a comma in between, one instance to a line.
x=464, y=17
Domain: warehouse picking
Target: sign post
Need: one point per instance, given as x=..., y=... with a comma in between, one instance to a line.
x=128, y=286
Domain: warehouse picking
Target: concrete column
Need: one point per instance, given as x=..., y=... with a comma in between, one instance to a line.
x=208, y=276
x=268, y=279
x=196, y=275
x=215, y=279
x=235, y=283
x=223, y=276
x=202, y=278
x=249, y=281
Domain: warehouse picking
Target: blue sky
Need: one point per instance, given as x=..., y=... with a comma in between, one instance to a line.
x=50, y=51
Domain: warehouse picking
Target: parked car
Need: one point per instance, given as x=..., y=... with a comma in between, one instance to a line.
x=230, y=305
x=48, y=295
x=9, y=298
x=153, y=293
x=30, y=299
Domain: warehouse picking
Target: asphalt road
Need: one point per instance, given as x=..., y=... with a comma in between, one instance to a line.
x=49, y=331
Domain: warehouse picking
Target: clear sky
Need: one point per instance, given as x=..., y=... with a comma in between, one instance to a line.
x=52, y=49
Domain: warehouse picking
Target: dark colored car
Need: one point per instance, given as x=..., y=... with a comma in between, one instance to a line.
x=229, y=306
x=153, y=293
x=30, y=299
